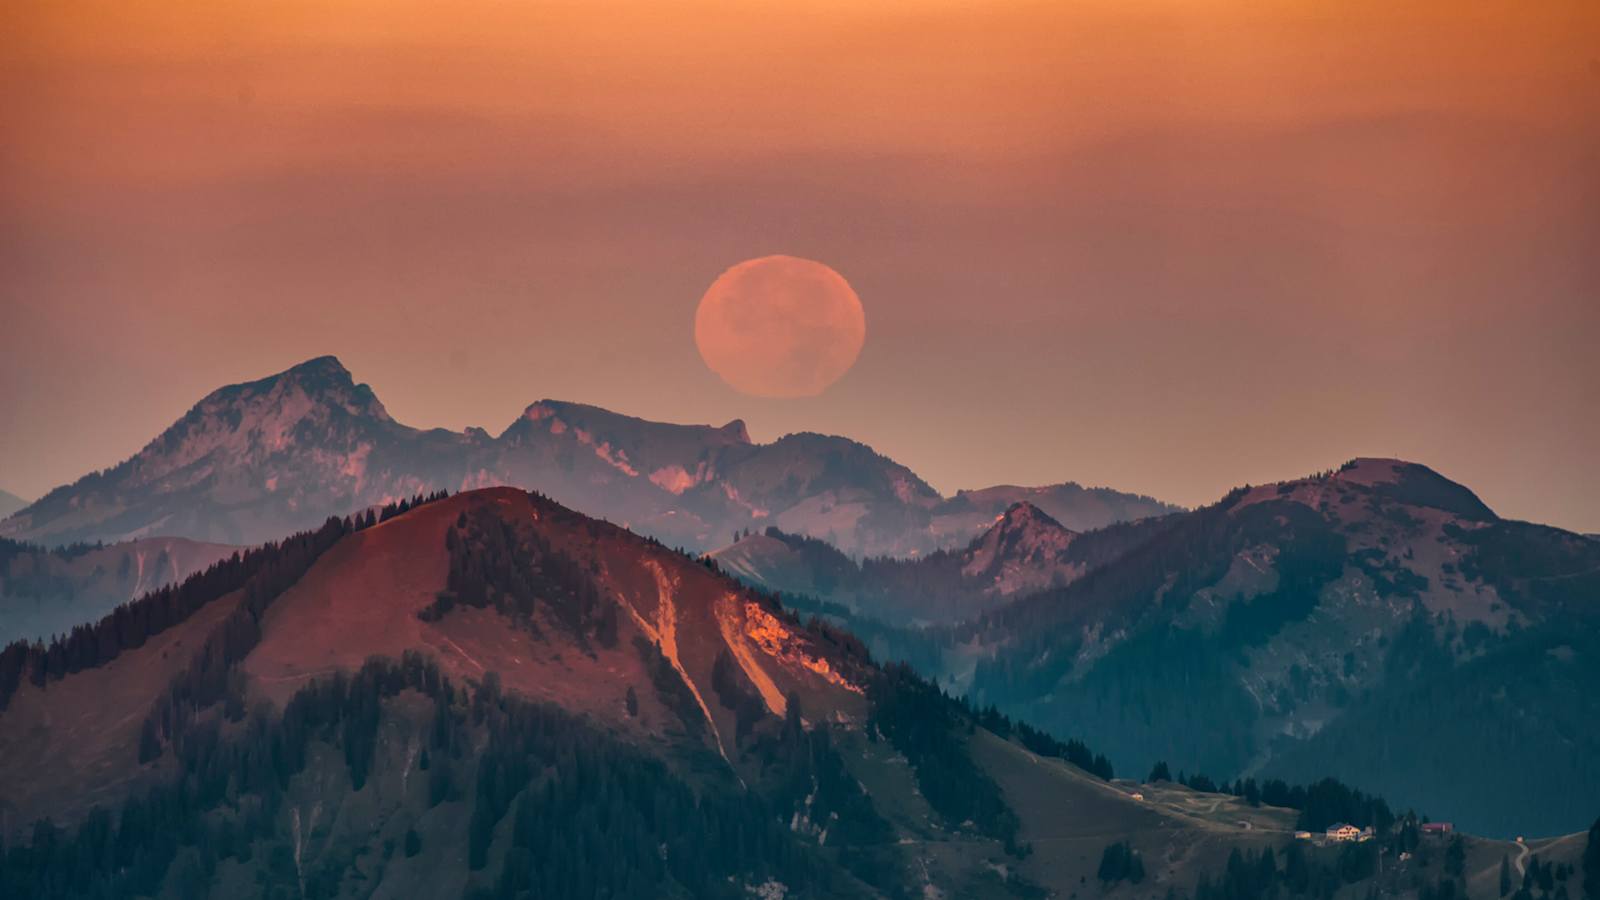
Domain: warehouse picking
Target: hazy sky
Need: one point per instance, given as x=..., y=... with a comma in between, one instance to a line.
x=1169, y=247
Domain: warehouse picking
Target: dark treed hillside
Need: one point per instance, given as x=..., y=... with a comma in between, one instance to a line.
x=1377, y=623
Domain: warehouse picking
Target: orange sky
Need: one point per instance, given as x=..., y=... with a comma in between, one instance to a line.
x=1166, y=246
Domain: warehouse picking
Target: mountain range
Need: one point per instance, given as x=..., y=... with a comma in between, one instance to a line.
x=48, y=592
x=1377, y=623
x=1021, y=552
x=303, y=669
x=492, y=695
x=10, y=503
x=252, y=462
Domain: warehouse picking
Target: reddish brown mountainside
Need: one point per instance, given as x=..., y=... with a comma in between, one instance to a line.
x=362, y=599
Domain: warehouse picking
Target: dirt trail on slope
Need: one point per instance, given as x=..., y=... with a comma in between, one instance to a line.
x=138, y=580
x=464, y=654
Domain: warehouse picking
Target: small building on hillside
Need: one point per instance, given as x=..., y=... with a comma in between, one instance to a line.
x=1137, y=796
x=1343, y=831
x=1437, y=827
x=1302, y=835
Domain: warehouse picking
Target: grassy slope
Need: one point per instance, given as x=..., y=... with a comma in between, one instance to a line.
x=72, y=744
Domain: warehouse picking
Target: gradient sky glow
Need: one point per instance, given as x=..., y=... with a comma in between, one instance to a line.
x=1169, y=247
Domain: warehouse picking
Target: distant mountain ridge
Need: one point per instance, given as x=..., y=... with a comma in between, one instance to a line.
x=1024, y=550
x=256, y=460
x=1378, y=623
x=46, y=592
x=248, y=460
x=1073, y=506
x=10, y=503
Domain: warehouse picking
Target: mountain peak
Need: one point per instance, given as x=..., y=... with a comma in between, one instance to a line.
x=326, y=366
x=1023, y=514
x=321, y=381
x=307, y=431
x=1075, y=507
x=1384, y=479
x=539, y=410
x=736, y=429
x=1024, y=529
x=640, y=437
x=1023, y=537
x=1414, y=484
x=10, y=503
x=1376, y=469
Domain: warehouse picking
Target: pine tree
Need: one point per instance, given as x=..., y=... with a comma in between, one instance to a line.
x=1296, y=871
x=149, y=743
x=793, y=723
x=1120, y=861
x=1505, y=875
x=1591, y=863
x=1160, y=772
x=1455, y=858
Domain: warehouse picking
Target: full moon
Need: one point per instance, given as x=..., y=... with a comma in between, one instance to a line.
x=780, y=326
